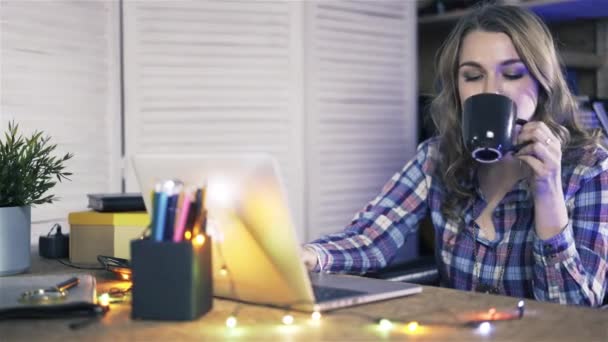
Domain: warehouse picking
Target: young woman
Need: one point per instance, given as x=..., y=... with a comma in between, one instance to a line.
x=534, y=224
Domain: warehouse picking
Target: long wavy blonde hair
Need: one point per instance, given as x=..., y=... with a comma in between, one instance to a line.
x=556, y=105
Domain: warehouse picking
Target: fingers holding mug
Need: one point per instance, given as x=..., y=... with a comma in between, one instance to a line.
x=537, y=132
x=541, y=150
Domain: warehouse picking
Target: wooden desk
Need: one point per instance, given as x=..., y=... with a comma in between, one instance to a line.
x=439, y=311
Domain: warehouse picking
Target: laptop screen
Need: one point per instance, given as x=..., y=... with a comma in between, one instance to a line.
x=253, y=235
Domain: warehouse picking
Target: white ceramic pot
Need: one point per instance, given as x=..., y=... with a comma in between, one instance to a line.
x=15, y=227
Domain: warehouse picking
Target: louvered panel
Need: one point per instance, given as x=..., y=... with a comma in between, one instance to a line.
x=215, y=61
x=362, y=91
x=341, y=67
x=214, y=77
x=60, y=75
x=227, y=115
x=349, y=39
x=46, y=79
x=360, y=108
x=185, y=82
x=232, y=8
x=208, y=72
x=87, y=64
x=385, y=81
x=383, y=9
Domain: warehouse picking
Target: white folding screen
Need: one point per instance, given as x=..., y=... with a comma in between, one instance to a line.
x=214, y=77
x=327, y=87
x=59, y=73
x=361, y=104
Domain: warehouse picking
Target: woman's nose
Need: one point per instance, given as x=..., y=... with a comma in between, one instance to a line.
x=493, y=85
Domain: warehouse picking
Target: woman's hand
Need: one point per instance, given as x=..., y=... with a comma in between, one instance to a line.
x=543, y=154
x=309, y=257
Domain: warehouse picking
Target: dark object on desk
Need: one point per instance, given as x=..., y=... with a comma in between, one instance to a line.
x=422, y=270
x=118, y=266
x=55, y=246
x=171, y=280
x=116, y=202
x=80, y=302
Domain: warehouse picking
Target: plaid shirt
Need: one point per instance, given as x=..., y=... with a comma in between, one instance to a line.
x=571, y=267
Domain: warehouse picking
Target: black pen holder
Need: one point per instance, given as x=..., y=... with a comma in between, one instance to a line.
x=171, y=281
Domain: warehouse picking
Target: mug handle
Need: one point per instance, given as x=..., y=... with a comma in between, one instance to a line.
x=518, y=147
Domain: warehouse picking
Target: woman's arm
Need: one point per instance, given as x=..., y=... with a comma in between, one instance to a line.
x=571, y=267
x=370, y=241
x=570, y=253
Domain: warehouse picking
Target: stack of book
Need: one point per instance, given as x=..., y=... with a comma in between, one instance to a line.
x=107, y=229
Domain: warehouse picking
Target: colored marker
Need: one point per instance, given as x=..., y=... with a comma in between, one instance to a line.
x=152, y=211
x=196, y=226
x=172, y=199
x=184, y=210
x=160, y=212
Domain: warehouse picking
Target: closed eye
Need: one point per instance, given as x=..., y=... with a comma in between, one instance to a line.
x=471, y=78
x=513, y=76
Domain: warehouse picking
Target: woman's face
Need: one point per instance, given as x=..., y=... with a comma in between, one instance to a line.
x=489, y=63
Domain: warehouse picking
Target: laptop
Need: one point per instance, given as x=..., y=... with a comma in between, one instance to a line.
x=256, y=252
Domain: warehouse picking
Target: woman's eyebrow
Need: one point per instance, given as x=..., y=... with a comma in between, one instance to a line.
x=470, y=63
x=511, y=61
x=502, y=64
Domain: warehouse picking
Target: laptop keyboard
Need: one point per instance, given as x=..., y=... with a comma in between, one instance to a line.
x=324, y=293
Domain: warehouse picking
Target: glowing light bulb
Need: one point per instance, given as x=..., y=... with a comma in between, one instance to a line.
x=385, y=324
x=485, y=328
x=188, y=235
x=231, y=322
x=104, y=299
x=316, y=316
x=199, y=240
x=520, y=309
x=125, y=276
x=288, y=319
x=223, y=271
x=412, y=326
x=221, y=193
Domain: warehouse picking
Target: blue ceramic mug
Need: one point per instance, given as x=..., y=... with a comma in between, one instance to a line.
x=488, y=126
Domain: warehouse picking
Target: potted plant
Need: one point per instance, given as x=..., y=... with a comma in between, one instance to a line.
x=28, y=172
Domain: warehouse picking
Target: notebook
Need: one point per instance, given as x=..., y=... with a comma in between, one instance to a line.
x=116, y=202
x=254, y=237
x=79, y=300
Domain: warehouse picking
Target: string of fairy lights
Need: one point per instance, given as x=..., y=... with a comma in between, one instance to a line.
x=482, y=322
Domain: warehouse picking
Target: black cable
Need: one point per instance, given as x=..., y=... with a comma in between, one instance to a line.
x=79, y=267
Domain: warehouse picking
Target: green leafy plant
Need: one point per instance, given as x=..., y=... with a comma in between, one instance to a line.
x=27, y=168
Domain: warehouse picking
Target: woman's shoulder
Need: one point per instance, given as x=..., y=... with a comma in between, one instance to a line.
x=587, y=162
x=427, y=154
x=429, y=146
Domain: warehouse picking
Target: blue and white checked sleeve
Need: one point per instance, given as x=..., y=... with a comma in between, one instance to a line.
x=381, y=227
x=572, y=267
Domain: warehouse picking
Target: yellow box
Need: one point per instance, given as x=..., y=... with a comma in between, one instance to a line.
x=93, y=233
